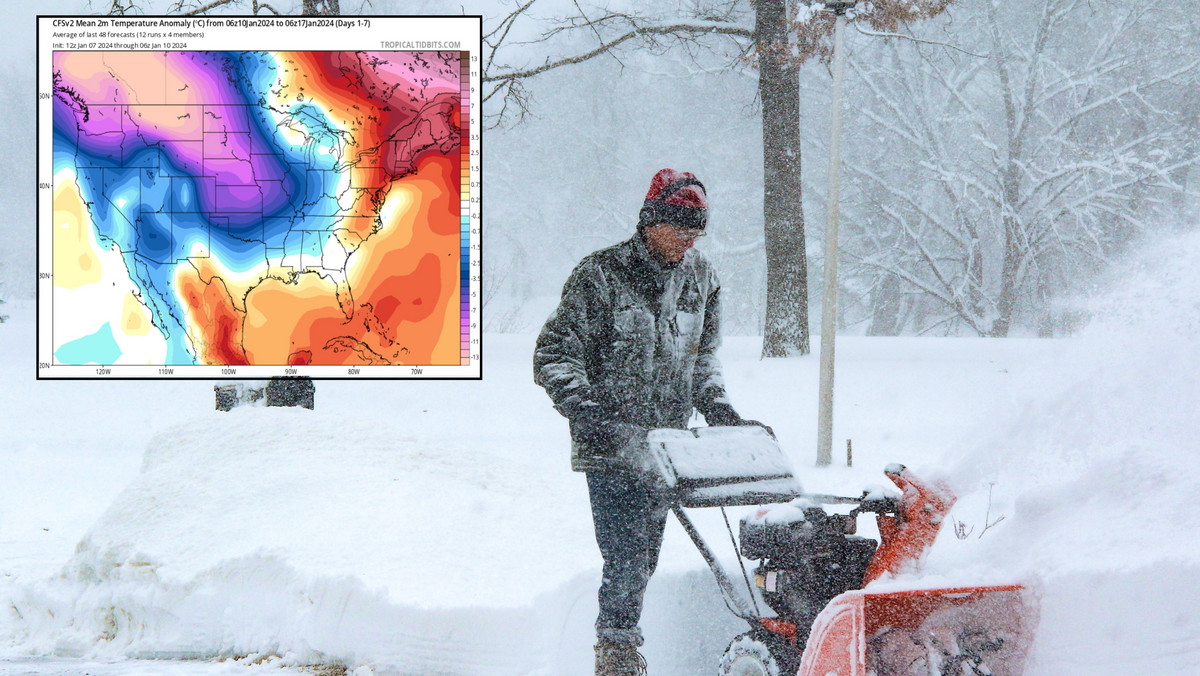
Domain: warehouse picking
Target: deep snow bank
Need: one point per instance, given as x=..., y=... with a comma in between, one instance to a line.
x=285, y=532
x=288, y=532
x=1093, y=471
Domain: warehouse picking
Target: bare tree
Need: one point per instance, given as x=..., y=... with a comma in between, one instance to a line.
x=1001, y=179
x=778, y=37
x=785, y=327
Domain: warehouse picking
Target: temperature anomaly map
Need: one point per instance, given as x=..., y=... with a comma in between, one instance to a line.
x=295, y=211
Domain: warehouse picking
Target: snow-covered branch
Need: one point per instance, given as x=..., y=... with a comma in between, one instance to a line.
x=678, y=30
x=903, y=36
x=989, y=184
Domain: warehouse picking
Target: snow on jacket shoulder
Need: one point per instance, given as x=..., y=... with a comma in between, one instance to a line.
x=633, y=342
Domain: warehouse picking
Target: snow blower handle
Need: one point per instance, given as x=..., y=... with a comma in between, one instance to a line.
x=877, y=503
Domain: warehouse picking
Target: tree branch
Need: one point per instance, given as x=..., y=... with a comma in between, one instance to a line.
x=918, y=40
x=695, y=30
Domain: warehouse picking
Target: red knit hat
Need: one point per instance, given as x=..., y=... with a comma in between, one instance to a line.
x=675, y=197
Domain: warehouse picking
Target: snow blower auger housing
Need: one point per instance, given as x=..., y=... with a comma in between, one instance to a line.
x=812, y=568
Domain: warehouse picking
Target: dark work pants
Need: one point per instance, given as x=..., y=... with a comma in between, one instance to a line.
x=629, y=515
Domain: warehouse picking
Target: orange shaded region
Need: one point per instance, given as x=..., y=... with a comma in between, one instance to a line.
x=370, y=177
x=215, y=326
x=407, y=298
x=280, y=313
x=443, y=175
x=336, y=341
x=399, y=296
x=406, y=276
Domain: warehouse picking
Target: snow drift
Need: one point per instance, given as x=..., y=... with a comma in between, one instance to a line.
x=1091, y=471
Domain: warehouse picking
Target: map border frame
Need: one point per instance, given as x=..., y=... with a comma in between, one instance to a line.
x=46, y=368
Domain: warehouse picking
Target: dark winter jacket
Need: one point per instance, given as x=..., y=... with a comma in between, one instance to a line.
x=632, y=345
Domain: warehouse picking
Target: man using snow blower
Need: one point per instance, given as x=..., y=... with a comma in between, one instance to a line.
x=632, y=347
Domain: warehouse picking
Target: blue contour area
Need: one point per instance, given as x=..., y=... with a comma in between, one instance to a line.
x=98, y=348
x=259, y=68
x=148, y=203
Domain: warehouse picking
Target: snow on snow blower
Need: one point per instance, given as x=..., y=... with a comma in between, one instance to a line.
x=812, y=568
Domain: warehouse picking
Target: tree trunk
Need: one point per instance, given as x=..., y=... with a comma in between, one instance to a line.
x=1006, y=301
x=1010, y=176
x=1190, y=148
x=785, y=332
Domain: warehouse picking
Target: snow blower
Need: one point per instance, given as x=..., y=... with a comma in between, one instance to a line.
x=812, y=568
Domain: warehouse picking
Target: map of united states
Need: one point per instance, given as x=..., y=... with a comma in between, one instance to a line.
x=234, y=208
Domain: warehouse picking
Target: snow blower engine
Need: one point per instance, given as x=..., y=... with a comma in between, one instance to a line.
x=807, y=556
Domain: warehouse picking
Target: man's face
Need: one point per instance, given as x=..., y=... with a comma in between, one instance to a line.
x=669, y=243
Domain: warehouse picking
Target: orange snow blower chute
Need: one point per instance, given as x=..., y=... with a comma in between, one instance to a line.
x=812, y=569
x=959, y=631
x=905, y=536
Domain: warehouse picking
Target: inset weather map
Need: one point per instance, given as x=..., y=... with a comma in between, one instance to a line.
x=260, y=212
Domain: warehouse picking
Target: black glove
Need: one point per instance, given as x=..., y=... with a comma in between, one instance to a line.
x=762, y=425
x=605, y=438
x=594, y=430
x=723, y=415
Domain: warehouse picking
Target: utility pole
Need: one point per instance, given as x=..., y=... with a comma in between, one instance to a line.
x=832, y=210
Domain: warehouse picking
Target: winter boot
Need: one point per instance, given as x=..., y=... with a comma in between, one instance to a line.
x=619, y=659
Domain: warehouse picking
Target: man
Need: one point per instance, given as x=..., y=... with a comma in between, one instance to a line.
x=630, y=348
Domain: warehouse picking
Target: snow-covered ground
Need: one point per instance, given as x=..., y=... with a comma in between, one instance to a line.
x=435, y=528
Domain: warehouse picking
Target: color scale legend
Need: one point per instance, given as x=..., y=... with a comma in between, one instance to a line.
x=465, y=219
x=252, y=197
